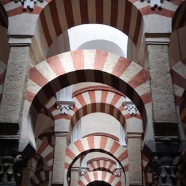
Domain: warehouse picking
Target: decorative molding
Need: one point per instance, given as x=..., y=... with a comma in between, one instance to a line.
x=155, y=3
x=65, y=106
x=29, y=4
x=128, y=105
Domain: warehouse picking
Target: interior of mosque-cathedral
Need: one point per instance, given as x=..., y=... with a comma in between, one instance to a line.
x=92, y=92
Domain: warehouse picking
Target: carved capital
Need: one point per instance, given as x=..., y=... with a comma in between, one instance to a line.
x=128, y=105
x=155, y=3
x=28, y=4
x=65, y=106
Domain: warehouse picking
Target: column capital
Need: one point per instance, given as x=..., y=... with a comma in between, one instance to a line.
x=157, y=40
x=20, y=41
x=134, y=135
x=61, y=134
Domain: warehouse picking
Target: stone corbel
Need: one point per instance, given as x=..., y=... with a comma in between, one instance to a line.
x=65, y=106
x=28, y=4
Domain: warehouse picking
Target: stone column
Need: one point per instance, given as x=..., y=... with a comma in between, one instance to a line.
x=164, y=111
x=59, y=159
x=74, y=176
x=122, y=178
x=135, y=164
x=15, y=81
x=18, y=65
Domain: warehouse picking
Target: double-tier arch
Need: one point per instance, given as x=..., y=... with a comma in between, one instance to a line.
x=60, y=71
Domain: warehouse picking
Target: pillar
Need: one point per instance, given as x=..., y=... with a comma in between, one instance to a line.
x=18, y=65
x=161, y=81
x=74, y=176
x=59, y=159
x=15, y=82
x=164, y=110
x=135, y=162
x=122, y=178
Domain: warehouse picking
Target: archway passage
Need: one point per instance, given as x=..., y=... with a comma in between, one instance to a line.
x=98, y=183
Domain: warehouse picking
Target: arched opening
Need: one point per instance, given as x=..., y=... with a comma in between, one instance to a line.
x=99, y=183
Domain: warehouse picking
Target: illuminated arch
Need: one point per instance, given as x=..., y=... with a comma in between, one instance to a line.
x=99, y=144
x=102, y=162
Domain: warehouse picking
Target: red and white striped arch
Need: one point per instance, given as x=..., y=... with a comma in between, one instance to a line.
x=94, y=101
x=99, y=176
x=46, y=151
x=93, y=144
x=60, y=15
x=149, y=174
x=57, y=16
x=101, y=163
x=40, y=177
x=60, y=71
x=48, y=138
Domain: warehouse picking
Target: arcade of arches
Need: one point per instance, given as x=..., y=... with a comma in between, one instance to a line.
x=92, y=92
